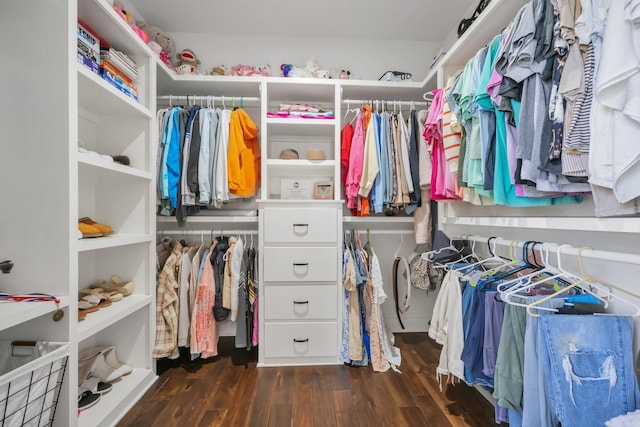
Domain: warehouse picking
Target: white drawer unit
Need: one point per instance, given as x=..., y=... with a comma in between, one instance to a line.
x=300, y=340
x=300, y=225
x=300, y=264
x=307, y=302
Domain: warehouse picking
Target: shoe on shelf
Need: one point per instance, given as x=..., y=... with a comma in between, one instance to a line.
x=117, y=285
x=112, y=296
x=102, y=228
x=87, y=399
x=97, y=300
x=123, y=160
x=100, y=363
x=88, y=230
x=95, y=385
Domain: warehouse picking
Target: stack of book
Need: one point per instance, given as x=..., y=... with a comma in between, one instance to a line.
x=119, y=70
x=88, y=49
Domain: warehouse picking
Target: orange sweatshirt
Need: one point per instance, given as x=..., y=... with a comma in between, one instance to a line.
x=243, y=158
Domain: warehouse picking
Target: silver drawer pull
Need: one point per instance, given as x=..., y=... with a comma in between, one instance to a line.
x=300, y=229
x=300, y=264
x=301, y=302
x=304, y=340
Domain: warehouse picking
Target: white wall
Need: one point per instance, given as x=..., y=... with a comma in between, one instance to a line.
x=366, y=58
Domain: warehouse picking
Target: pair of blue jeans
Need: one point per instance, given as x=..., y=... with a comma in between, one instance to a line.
x=589, y=367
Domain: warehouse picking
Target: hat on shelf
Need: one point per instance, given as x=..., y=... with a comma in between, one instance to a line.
x=289, y=154
x=316, y=154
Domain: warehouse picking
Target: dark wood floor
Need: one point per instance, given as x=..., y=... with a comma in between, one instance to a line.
x=229, y=390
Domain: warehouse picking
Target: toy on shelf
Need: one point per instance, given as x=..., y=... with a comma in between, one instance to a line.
x=129, y=20
x=159, y=42
x=187, y=62
x=311, y=70
x=220, y=70
x=344, y=74
x=248, y=70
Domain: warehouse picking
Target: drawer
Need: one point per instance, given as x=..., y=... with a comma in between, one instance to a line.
x=319, y=302
x=301, y=339
x=300, y=264
x=300, y=225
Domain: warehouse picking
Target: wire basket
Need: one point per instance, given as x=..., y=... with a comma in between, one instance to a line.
x=31, y=376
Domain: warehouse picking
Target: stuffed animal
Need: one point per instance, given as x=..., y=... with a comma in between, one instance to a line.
x=220, y=70
x=242, y=70
x=248, y=70
x=187, y=62
x=129, y=20
x=263, y=70
x=286, y=69
x=157, y=37
x=310, y=70
x=344, y=74
x=322, y=74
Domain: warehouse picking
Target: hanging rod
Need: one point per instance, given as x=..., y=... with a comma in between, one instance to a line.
x=199, y=232
x=374, y=231
x=367, y=101
x=587, y=253
x=202, y=98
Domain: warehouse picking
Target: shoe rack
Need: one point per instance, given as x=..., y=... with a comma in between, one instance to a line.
x=54, y=104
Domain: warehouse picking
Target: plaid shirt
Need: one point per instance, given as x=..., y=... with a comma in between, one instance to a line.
x=167, y=303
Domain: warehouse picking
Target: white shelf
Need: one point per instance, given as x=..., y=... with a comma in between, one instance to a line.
x=299, y=203
x=293, y=163
x=377, y=219
x=98, y=96
x=112, y=241
x=496, y=16
x=15, y=313
x=608, y=225
x=221, y=219
x=115, y=404
x=92, y=164
x=388, y=91
x=111, y=27
x=105, y=317
x=170, y=83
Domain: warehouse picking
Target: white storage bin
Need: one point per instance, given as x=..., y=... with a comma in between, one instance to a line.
x=30, y=381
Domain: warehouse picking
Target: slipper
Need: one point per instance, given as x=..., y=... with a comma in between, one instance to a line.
x=102, y=228
x=123, y=160
x=88, y=230
x=103, y=388
x=98, y=300
x=82, y=313
x=116, y=285
x=87, y=400
x=113, y=296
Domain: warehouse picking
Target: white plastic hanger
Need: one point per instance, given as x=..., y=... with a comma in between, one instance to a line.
x=429, y=254
x=592, y=283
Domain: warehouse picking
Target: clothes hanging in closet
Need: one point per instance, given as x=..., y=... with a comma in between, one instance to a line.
x=380, y=163
x=512, y=126
x=200, y=286
x=542, y=371
x=365, y=338
x=206, y=157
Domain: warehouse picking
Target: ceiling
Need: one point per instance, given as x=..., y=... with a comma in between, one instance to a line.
x=420, y=20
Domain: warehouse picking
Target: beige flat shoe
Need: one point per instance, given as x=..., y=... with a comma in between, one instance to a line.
x=116, y=285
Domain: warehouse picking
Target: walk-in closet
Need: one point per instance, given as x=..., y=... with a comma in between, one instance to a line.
x=319, y=214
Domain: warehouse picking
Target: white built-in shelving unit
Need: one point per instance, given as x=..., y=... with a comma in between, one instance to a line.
x=51, y=185
x=52, y=103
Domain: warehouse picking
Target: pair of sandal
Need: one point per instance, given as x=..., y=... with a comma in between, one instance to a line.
x=92, y=302
x=90, y=228
x=91, y=391
x=101, y=294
